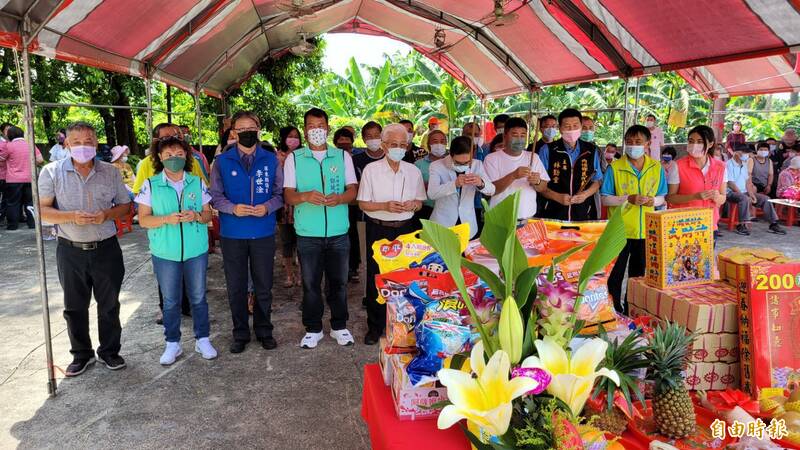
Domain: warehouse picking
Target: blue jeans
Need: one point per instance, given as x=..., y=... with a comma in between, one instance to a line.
x=173, y=276
x=329, y=256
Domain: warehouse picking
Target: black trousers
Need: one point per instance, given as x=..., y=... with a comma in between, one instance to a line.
x=81, y=273
x=354, y=260
x=257, y=256
x=2, y=199
x=324, y=256
x=376, y=312
x=18, y=197
x=631, y=260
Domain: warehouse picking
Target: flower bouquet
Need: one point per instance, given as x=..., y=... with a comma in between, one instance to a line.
x=527, y=384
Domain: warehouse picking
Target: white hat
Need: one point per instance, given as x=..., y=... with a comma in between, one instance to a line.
x=117, y=151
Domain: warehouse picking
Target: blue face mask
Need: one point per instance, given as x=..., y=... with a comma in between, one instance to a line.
x=517, y=144
x=666, y=158
x=461, y=168
x=587, y=136
x=744, y=157
x=634, y=151
x=549, y=133
x=397, y=153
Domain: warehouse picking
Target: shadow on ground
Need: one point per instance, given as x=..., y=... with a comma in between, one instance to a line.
x=288, y=398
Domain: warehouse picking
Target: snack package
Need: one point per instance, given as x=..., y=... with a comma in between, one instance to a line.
x=400, y=321
x=409, y=249
x=436, y=341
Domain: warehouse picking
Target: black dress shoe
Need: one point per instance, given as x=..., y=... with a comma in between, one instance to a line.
x=372, y=338
x=268, y=343
x=238, y=346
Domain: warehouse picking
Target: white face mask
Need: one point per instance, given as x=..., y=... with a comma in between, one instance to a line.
x=695, y=150
x=795, y=163
x=373, y=144
x=650, y=123
x=763, y=153
x=410, y=137
x=397, y=153
x=438, y=150
x=478, y=141
x=499, y=130
x=124, y=159
x=317, y=136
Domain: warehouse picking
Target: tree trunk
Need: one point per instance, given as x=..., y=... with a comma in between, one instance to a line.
x=123, y=118
x=108, y=126
x=793, y=99
x=47, y=121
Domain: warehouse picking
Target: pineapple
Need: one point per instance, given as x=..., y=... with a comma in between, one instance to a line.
x=673, y=411
x=625, y=358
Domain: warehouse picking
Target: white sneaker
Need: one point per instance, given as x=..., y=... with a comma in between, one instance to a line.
x=171, y=353
x=310, y=340
x=204, y=347
x=343, y=337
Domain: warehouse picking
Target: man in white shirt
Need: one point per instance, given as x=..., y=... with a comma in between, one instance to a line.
x=391, y=191
x=320, y=182
x=656, y=137
x=58, y=151
x=742, y=192
x=514, y=170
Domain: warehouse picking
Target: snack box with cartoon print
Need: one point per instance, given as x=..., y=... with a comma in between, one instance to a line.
x=679, y=247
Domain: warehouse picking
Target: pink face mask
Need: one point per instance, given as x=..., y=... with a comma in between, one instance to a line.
x=292, y=143
x=571, y=135
x=695, y=150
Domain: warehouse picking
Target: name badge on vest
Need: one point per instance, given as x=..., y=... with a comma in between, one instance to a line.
x=233, y=173
x=192, y=196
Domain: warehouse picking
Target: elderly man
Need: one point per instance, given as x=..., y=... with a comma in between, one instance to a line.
x=787, y=144
x=320, y=182
x=247, y=190
x=391, y=192
x=83, y=196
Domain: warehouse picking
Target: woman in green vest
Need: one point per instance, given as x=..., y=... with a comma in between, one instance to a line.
x=174, y=207
x=638, y=184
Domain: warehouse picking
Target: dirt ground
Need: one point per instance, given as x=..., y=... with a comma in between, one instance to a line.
x=288, y=398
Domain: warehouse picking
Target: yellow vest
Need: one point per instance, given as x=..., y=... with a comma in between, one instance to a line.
x=146, y=170
x=627, y=183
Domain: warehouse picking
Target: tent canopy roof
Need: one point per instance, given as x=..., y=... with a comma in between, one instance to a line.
x=215, y=45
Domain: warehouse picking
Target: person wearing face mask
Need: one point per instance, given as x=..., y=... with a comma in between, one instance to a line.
x=638, y=184
x=343, y=139
x=499, y=123
x=119, y=158
x=288, y=141
x=57, y=151
x=472, y=131
x=391, y=191
x=247, y=190
x=609, y=155
x=762, y=170
x=734, y=138
x=656, y=136
x=587, y=129
x=549, y=126
x=174, y=208
x=788, y=154
x=742, y=192
x=789, y=178
x=514, y=169
x=371, y=135
x=437, y=149
x=321, y=183
x=413, y=153
x=146, y=168
x=433, y=125
x=83, y=196
x=454, y=182
x=574, y=170
x=668, y=157
x=17, y=192
x=699, y=180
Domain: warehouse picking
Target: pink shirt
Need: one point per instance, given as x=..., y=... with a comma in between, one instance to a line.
x=17, y=160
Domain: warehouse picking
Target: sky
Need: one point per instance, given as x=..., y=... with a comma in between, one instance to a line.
x=366, y=49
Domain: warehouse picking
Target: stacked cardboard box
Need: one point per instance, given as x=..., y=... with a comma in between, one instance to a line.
x=709, y=310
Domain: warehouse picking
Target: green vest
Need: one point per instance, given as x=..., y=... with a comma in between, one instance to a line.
x=327, y=177
x=182, y=241
x=626, y=182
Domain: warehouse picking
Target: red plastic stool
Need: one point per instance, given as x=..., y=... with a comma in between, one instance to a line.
x=733, y=216
x=125, y=224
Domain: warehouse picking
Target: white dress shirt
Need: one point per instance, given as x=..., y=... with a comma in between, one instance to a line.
x=379, y=183
x=451, y=203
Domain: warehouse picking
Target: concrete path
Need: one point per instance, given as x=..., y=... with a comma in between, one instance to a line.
x=287, y=398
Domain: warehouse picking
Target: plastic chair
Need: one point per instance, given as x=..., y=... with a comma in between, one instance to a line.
x=733, y=216
x=787, y=213
x=125, y=224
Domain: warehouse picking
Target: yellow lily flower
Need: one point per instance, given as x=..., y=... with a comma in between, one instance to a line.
x=573, y=378
x=485, y=400
x=511, y=330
